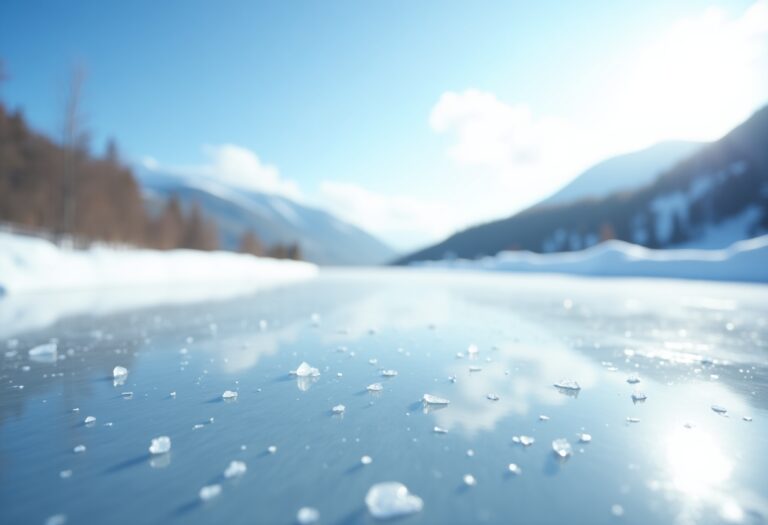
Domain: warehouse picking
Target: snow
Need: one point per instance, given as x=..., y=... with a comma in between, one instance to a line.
x=30, y=264
x=742, y=261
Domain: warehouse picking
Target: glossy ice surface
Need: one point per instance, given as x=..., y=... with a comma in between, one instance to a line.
x=692, y=345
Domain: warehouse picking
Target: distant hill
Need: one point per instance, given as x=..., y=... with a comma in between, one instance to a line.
x=624, y=172
x=713, y=197
x=323, y=239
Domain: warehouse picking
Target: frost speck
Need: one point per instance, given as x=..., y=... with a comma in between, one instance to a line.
x=514, y=469
x=229, y=394
x=307, y=516
x=375, y=387
x=366, y=460
x=160, y=445
x=434, y=400
x=79, y=449
x=304, y=370
x=561, y=447
x=119, y=372
x=469, y=480
x=339, y=409
x=391, y=499
x=209, y=492
x=235, y=468
x=272, y=449
x=568, y=384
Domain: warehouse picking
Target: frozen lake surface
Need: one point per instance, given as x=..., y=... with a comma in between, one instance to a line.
x=661, y=416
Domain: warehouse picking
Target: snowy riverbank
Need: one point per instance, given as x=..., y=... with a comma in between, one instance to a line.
x=29, y=264
x=743, y=261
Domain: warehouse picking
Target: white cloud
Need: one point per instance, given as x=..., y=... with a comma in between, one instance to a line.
x=406, y=222
x=522, y=152
x=234, y=166
x=698, y=79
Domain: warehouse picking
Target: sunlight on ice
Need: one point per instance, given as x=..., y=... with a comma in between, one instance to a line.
x=391, y=499
x=696, y=462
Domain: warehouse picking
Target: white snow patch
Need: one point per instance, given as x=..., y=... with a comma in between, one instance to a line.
x=31, y=264
x=742, y=261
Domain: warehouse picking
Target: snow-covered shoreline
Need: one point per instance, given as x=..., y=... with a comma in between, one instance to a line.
x=745, y=261
x=30, y=264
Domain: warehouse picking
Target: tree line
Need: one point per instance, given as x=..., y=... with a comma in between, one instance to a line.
x=64, y=190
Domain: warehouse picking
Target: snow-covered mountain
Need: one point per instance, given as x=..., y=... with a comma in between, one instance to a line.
x=714, y=197
x=623, y=172
x=323, y=238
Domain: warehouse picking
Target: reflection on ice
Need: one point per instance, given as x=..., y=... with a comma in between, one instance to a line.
x=696, y=461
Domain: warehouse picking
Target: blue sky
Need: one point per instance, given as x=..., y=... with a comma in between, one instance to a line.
x=411, y=119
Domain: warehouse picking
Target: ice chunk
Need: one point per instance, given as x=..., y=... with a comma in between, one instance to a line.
x=719, y=409
x=639, y=396
x=492, y=397
x=439, y=430
x=543, y=418
x=526, y=441
x=119, y=371
x=366, y=460
x=307, y=516
x=235, y=468
x=469, y=480
x=568, y=384
x=434, y=400
x=391, y=499
x=514, y=469
x=90, y=420
x=389, y=373
x=475, y=368
x=160, y=445
x=79, y=449
x=46, y=353
x=748, y=419
x=304, y=370
x=633, y=420
x=338, y=409
x=209, y=492
x=56, y=519
x=375, y=387
x=633, y=379
x=127, y=395
x=272, y=449
x=561, y=447
x=229, y=394
x=584, y=437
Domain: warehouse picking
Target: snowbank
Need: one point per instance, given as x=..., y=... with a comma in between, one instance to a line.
x=32, y=264
x=742, y=261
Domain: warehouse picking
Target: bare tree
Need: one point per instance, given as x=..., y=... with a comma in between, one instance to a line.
x=74, y=139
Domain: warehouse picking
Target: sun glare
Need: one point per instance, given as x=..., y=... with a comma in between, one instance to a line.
x=696, y=462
